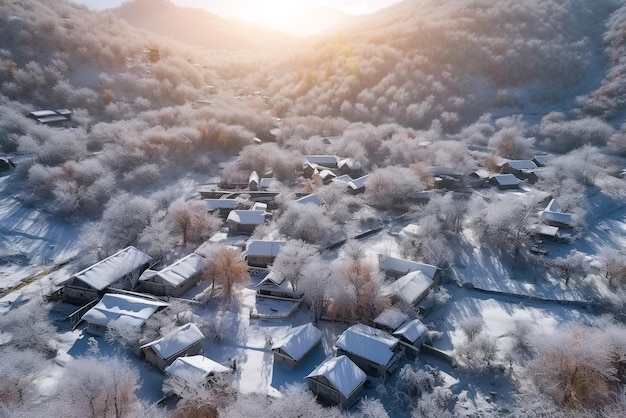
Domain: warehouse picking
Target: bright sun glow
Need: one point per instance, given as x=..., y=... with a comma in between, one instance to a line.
x=256, y=11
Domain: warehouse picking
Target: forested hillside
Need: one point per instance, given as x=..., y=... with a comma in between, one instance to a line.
x=425, y=102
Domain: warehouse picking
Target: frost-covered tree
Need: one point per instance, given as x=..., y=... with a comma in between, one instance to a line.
x=292, y=259
x=20, y=369
x=192, y=219
x=29, y=327
x=96, y=387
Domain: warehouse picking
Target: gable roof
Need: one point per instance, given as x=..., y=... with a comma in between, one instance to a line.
x=521, y=164
x=215, y=204
x=264, y=248
x=106, y=272
x=312, y=199
x=129, y=309
x=299, y=341
x=176, y=340
x=349, y=163
x=410, y=287
x=341, y=373
x=400, y=265
x=181, y=270
x=194, y=368
x=411, y=330
x=506, y=180
x=321, y=159
x=367, y=342
x=554, y=213
x=358, y=183
x=247, y=217
x=391, y=318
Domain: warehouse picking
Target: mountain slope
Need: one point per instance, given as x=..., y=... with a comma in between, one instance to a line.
x=197, y=26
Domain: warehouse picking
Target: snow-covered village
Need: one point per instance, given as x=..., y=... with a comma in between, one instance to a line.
x=349, y=209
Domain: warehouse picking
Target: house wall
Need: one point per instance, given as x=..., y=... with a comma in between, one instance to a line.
x=235, y=228
x=328, y=394
x=79, y=293
x=282, y=358
x=260, y=260
x=155, y=359
x=159, y=288
x=96, y=329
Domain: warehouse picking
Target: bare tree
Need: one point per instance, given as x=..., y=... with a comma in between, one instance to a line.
x=192, y=219
x=364, y=281
x=227, y=270
x=573, y=266
x=613, y=265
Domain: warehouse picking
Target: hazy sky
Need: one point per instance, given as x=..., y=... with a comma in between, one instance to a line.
x=255, y=10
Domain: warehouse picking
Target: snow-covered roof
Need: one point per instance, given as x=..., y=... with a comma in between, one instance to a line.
x=554, y=213
x=522, y=164
x=542, y=160
x=349, y=163
x=391, y=318
x=358, y=183
x=267, y=182
x=130, y=309
x=310, y=199
x=299, y=341
x=343, y=179
x=182, y=270
x=264, y=248
x=247, y=217
x=254, y=177
x=274, y=281
x=106, y=272
x=321, y=159
x=400, y=265
x=547, y=230
x=215, y=204
x=506, y=180
x=410, y=287
x=341, y=373
x=367, y=342
x=176, y=341
x=194, y=368
x=411, y=330
x=326, y=174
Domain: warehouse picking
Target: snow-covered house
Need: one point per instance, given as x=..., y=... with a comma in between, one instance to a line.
x=131, y=311
x=541, y=160
x=244, y=221
x=505, y=181
x=275, y=285
x=221, y=206
x=337, y=381
x=395, y=267
x=253, y=181
x=59, y=117
x=374, y=351
x=554, y=216
x=175, y=279
x=390, y=319
x=310, y=199
x=300, y=341
x=409, y=289
x=522, y=169
x=357, y=186
x=122, y=270
x=260, y=253
x=329, y=161
x=182, y=341
x=350, y=167
x=194, y=369
x=412, y=333
x=327, y=176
